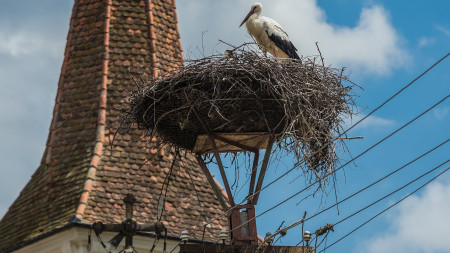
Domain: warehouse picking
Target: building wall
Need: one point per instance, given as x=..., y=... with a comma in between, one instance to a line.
x=75, y=239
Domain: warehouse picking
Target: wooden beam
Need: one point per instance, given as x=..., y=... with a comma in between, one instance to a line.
x=212, y=182
x=262, y=172
x=262, y=141
x=253, y=176
x=235, y=143
x=231, y=142
x=222, y=170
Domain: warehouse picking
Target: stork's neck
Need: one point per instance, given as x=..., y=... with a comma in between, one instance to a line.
x=253, y=17
x=252, y=22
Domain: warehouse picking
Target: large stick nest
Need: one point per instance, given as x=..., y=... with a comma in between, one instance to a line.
x=302, y=102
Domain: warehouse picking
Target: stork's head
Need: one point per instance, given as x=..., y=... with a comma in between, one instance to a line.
x=255, y=9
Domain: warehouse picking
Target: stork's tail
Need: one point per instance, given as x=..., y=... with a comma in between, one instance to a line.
x=293, y=55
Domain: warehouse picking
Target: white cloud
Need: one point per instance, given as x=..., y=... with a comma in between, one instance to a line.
x=424, y=41
x=369, y=122
x=441, y=113
x=420, y=224
x=25, y=42
x=372, y=46
x=16, y=44
x=443, y=30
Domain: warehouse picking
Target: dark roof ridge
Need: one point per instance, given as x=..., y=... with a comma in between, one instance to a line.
x=101, y=122
x=152, y=37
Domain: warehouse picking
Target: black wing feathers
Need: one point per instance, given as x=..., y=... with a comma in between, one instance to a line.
x=284, y=45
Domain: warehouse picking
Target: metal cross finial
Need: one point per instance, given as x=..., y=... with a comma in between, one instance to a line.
x=129, y=201
x=127, y=228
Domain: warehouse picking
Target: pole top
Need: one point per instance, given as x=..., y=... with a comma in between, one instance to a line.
x=129, y=199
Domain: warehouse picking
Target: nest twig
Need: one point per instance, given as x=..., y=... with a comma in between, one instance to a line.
x=301, y=102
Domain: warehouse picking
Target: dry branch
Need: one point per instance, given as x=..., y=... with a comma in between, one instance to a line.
x=303, y=103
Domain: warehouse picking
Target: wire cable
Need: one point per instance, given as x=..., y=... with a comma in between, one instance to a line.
x=400, y=91
x=361, y=190
x=379, y=180
x=390, y=194
x=386, y=209
x=162, y=201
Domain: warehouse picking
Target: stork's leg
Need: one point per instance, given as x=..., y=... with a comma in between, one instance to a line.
x=265, y=52
x=274, y=51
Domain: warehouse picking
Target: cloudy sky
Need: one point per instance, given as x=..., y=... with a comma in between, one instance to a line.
x=383, y=44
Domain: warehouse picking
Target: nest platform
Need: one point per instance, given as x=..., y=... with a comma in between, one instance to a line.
x=246, y=94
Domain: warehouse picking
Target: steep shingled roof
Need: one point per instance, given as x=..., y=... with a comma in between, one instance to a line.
x=80, y=177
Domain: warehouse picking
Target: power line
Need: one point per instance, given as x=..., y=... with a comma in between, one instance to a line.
x=389, y=207
x=353, y=159
x=354, y=194
x=400, y=91
x=379, y=180
x=380, y=199
x=162, y=201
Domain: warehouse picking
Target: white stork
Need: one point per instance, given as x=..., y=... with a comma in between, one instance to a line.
x=268, y=34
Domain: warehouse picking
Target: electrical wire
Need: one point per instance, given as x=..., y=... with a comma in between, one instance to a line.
x=400, y=91
x=390, y=194
x=162, y=201
x=386, y=209
x=361, y=190
x=379, y=180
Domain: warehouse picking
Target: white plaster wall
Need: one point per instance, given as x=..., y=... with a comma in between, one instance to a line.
x=74, y=240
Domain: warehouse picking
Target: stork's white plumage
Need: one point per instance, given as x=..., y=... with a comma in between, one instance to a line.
x=269, y=35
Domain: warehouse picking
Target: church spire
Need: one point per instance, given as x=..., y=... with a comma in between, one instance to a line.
x=82, y=178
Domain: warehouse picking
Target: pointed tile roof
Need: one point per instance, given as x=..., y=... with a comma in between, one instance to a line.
x=81, y=177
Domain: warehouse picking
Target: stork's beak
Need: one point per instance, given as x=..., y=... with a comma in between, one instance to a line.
x=245, y=19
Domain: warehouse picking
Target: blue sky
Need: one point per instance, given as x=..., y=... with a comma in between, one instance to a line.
x=384, y=44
